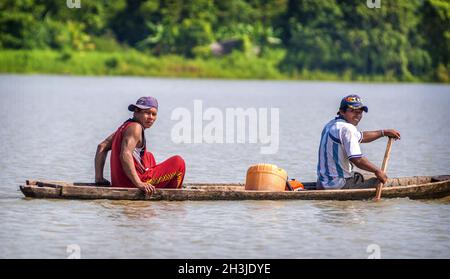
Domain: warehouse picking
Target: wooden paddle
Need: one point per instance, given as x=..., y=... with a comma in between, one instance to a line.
x=387, y=154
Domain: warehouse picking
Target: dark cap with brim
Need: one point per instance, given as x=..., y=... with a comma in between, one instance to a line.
x=144, y=103
x=353, y=102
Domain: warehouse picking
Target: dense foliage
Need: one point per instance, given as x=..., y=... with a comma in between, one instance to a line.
x=402, y=40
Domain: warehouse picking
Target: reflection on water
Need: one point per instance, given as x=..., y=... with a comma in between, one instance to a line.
x=62, y=119
x=131, y=209
x=341, y=213
x=231, y=229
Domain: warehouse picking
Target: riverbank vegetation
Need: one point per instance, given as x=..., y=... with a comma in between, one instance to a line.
x=402, y=40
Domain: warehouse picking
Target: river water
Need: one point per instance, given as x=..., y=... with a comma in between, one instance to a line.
x=51, y=125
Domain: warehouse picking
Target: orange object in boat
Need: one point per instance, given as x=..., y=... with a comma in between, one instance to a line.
x=295, y=184
x=265, y=177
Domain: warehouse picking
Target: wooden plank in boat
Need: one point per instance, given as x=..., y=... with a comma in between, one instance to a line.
x=41, y=192
x=431, y=190
x=90, y=192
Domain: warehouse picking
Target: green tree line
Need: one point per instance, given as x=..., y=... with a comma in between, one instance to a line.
x=403, y=40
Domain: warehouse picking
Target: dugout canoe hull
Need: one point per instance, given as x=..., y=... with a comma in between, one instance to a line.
x=418, y=187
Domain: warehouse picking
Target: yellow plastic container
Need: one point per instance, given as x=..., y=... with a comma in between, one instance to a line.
x=265, y=177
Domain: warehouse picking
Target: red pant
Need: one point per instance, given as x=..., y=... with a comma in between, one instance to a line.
x=168, y=174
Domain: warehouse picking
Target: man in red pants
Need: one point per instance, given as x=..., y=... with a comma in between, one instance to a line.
x=131, y=164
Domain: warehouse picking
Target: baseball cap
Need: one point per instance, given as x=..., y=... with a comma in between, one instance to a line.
x=353, y=102
x=144, y=103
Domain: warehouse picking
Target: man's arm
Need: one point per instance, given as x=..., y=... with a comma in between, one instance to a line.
x=100, y=157
x=364, y=164
x=370, y=136
x=131, y=138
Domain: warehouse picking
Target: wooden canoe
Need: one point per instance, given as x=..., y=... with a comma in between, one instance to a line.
x=417, y=187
